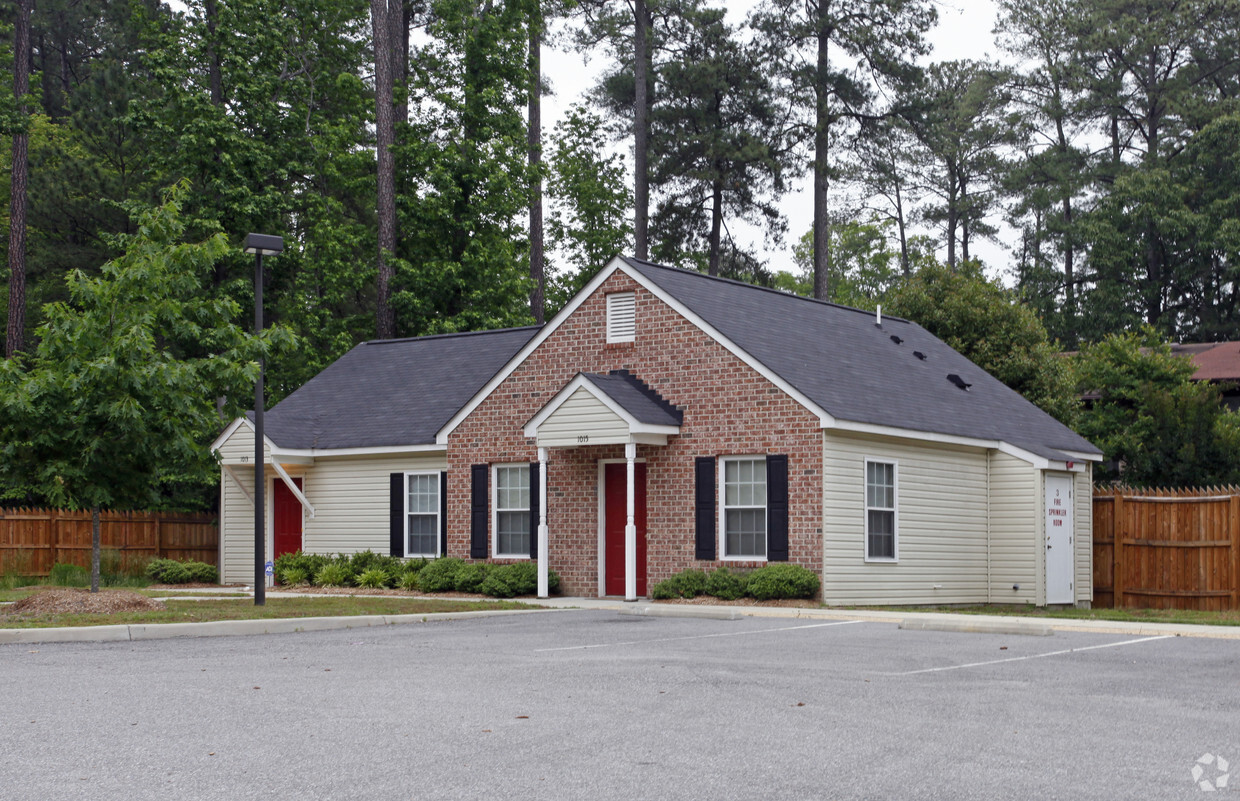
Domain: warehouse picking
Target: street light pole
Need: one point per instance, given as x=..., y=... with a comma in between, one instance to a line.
x=260, y=245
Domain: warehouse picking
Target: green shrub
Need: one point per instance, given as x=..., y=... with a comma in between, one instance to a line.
x=408, y=581
x=440, y=574
x=64, y=575
x=782, y=581
x=171, y=571
x=362, y=561
x=685, y=584
x=294, y=577
x=519, y=578
x=332, y=574
x=726, y=585
x=470, y=576
x=414, y=566
x=307, y=564
x=376, y=578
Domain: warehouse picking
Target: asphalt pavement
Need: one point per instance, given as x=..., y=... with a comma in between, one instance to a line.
x=602, y=705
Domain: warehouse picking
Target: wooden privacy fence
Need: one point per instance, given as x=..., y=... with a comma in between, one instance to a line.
x=1167, y=549
x=32, y=540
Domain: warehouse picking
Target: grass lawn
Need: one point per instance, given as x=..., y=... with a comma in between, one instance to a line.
x=1227, y=618
x=244, y=609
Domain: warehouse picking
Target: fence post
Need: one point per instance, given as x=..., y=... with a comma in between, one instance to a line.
x=1117, y=562
x=1233, y=531
x=159, y=538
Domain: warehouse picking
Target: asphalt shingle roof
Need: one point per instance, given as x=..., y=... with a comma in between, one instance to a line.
x=391, y=392
x=856, y=370
x=636, y=397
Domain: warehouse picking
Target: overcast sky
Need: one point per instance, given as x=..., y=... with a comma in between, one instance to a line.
x=964, y=31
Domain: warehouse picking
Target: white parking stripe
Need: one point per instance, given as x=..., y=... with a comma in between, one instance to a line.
x=696, y=637
x=1032, y=656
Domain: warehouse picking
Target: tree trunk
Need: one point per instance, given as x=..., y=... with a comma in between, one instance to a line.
x=1069, y=280
x=822, y=164
x=716, y=224
x=537, y=271
x=402, y=61
x=381, y=16
x=15, y=331
x=641, y=129
x=904, y=265
x=94, y=549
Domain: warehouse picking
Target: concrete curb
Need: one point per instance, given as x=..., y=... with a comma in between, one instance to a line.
x=1025, y=627
x=707, y=612
x=233, y=628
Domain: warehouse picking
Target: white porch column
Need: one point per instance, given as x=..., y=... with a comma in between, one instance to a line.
x=630, y=526
x=543, y=592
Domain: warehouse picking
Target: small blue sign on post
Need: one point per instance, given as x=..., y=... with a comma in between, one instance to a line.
x=270, y=569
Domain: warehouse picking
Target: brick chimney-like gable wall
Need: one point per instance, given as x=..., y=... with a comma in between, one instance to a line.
x=728, y=409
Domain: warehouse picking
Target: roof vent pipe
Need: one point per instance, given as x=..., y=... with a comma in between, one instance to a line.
x=878, y=319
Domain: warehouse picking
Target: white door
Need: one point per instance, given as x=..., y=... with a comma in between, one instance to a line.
x=1059, y=540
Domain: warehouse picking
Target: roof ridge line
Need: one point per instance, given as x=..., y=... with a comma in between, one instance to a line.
x=449, y=335
x=771, y=290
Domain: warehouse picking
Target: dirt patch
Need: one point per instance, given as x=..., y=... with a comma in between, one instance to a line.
x=392, y=593
x=68, y=601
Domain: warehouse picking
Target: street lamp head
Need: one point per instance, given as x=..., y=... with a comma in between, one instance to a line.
x=264, y=244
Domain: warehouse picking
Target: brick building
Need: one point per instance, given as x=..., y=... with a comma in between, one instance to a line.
x=666, y=420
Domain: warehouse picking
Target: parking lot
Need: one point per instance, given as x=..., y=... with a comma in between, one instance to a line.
x=593, y=704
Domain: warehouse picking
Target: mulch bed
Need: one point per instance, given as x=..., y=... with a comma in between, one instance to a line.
x=710, y=600
x=70, y=601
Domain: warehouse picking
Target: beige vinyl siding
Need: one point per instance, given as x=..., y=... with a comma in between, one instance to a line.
x=237, y=527
x=582, y=415
x=1015, y=515
x=239, y=448
x=1083, y=530
x=941, y=510
x=351, y=498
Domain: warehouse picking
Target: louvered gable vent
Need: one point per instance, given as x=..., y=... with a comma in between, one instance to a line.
x=621, y=317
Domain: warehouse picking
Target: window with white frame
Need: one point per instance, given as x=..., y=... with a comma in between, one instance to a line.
x=621, y=317
x=422, y=514
x=880, y=511
x=744, y=507
x=512, y=510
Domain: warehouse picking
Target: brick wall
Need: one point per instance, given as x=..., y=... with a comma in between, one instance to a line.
x=728, y=409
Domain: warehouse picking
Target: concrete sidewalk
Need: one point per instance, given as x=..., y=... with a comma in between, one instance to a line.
x=926, y=621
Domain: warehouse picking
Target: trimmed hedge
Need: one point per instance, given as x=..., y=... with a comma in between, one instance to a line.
x=370, y=570
x=171, y=571
x=766, y=583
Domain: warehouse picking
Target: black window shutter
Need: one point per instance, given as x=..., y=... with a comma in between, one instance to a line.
x=478, y=512
x=396, y=514
x=777, y=508
x=704, y=497
x=443, y=513
x=534, y=510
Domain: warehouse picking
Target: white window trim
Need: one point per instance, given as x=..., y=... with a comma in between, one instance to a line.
x=895, y=510
x=722, y=510
x=438, y=509
x=630, y=300
x=495, y=510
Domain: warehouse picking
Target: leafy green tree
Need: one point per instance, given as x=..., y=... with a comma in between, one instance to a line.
x=717, y=151
x=990, y=326
x=1049, y=179
x=837, y=58
x=1155, y=424
x=866, y=267
x=117, y=404
x=962, y=125
x=589, y=201
x=462, y=251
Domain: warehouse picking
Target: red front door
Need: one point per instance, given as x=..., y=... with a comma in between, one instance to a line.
x=286, y=518
x=615, y=512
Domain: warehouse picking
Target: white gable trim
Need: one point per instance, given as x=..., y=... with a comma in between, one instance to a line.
x=636, y=427
x=232, y=429
x=442, y=437
x=288, y=482
x=824, y=417
x=615, y=264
